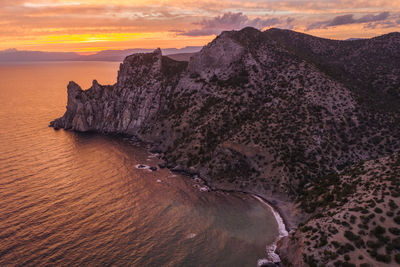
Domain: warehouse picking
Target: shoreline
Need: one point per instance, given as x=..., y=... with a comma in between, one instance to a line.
x=282, y=232
x=274, y=207
x=283, y=225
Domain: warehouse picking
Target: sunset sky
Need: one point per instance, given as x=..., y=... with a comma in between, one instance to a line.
x=92, y=25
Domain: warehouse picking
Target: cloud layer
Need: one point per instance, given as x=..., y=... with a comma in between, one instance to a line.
x=87, y=25
x=233, y=21
x=349, y=19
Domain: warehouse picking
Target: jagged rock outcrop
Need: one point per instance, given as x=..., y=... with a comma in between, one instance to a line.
x=218, y=59
x=265, y=112
x=144, y=81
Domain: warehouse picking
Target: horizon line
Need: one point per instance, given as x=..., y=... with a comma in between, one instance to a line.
x=94, y=52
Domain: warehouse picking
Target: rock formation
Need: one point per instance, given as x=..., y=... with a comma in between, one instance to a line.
x=271, y=113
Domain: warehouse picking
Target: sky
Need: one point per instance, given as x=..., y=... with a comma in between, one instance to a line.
x=87, y=26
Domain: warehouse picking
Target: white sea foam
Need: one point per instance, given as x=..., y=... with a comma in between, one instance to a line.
x=142, y=167
x=261, y=262
x=190, y=236
x=204, y=189
x=272, y=256
x=201, y=188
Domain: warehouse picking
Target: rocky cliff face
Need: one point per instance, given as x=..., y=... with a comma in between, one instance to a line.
x=266, y=112
x=144, y=81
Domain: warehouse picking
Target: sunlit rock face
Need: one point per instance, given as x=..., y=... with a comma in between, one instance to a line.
x=125, y=107
x=219, y=58
x=265, y=112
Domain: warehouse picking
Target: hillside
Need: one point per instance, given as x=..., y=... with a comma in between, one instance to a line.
x=358, y=219
x=271, y=112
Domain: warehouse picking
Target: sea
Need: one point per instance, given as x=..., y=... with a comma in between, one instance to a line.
x=85, y=199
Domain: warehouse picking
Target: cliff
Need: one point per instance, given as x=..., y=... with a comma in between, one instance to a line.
x=143, y=84
x=269, y=112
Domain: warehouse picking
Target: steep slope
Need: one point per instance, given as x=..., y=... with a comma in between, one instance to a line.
x=358, y=219
x=371, y=67
x=250, y=111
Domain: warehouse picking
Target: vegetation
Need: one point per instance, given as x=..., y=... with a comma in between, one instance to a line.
x=373, y=207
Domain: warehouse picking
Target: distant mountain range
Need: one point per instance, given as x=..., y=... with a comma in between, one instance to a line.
x=14, y=55
x=354, y=39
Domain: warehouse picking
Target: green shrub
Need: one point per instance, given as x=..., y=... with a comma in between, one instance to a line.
x=335, y=244
x=397, y=258
x=345, y=249
x=357, y=240
x=378, y=210
x=378, y=231
x=332, y=229
x=392, y=205
x=310, y=260
x=394, y=230
x=323, y=241
x=338, y=263
x=396, y=243
x=383, y=258
x=348, y=264
x=374, y=245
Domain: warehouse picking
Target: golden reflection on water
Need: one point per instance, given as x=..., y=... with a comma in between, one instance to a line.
x=77, y=199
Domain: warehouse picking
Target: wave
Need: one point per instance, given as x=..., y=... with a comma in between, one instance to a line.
x=271, y=254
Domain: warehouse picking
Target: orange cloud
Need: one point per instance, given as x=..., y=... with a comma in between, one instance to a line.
x=85, y=25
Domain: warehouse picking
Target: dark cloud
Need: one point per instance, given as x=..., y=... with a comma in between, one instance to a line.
x=231, y=21
x=372, y=18
x=341, y=20
x=349, y=19
x=393, y=22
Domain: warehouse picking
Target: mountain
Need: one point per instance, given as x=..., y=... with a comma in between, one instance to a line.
x=272, y=113
x=119, y=55
x=14, y=55
x=354, y=39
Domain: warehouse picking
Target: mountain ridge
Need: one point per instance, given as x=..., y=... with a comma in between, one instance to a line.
x=270, y=113
x=228, y=64
x=14, y=55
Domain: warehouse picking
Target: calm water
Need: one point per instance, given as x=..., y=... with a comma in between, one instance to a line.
x=77, y=199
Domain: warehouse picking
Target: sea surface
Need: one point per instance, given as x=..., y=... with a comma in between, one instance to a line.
x=70, y=199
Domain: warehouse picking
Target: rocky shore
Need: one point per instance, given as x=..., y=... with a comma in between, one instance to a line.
x=287, y=208
x=286, y=213
x=276, y=114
